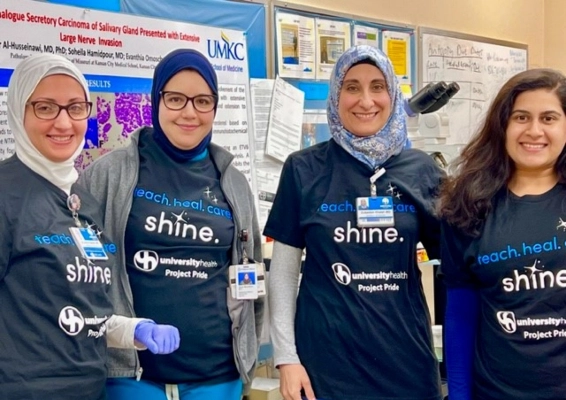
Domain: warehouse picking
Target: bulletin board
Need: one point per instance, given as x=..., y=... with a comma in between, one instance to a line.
x=479, y=65
x=308, y=41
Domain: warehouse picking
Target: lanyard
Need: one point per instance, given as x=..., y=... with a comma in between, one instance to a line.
x=373, y=178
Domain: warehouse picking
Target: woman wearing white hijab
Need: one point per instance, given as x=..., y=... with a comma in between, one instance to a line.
x=359, y=328
x=56, y=265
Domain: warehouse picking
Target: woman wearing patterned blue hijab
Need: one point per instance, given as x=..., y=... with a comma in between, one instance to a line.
x=371, y=147
x=359, y=326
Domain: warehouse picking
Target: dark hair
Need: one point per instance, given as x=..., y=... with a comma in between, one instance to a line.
x=484, y=167
x=368, y=61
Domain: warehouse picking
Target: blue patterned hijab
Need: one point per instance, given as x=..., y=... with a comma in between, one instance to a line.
x=372, y=150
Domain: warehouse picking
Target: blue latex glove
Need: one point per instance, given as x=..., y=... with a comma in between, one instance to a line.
x=159, y=339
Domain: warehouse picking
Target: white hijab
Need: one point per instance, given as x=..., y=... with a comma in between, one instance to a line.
x=23, y=82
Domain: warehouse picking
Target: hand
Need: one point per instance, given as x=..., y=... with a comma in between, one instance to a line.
x=159, y=339
x=293, y=378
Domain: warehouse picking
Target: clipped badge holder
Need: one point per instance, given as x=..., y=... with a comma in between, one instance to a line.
x=85, y=238
x=260, y=278
x=247, y=280
x=374, y=212
x=88, y=243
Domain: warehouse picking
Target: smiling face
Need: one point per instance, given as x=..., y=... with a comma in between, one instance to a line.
x=187, y=127
x=536, y=132
x=364, y=105
x=56, y=139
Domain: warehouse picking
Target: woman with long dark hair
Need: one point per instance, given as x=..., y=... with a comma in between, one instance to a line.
x=503, y=247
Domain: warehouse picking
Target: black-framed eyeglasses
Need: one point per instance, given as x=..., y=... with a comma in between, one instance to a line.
x=48, y=110
x=177, y=101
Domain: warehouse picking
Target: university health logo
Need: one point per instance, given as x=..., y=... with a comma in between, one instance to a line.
x=146, y=260
x=225, y=48
x=342, y=273
x=507, y=321
x=71, y=321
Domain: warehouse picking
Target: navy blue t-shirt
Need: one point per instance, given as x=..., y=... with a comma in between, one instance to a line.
x=362, y=326
x=178, y=246
x=53, y=303
x=518, y=265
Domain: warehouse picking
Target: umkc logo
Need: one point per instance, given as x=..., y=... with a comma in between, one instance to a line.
x=225, y=48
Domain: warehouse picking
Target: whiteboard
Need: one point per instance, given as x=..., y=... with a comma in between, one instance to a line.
x=479, y=65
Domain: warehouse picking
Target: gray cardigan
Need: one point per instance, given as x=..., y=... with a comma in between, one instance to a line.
x=112, y=179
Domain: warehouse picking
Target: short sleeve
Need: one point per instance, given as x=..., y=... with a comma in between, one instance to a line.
x=284, y=221
x=454, y=269
x=430, y=223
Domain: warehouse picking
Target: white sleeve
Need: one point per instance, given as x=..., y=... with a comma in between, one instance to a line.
x=120, y=332
x=283, y=286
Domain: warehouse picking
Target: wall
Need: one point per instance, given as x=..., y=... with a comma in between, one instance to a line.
x=537, y=23
x=555, y=34
x=511, y=20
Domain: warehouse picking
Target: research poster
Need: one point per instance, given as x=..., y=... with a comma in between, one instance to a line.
x=296, y=44
x=118, y=53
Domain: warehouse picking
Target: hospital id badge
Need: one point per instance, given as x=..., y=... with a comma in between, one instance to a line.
x=374, y=212
x=88, y=243
x=260, y=275
x=245, y=278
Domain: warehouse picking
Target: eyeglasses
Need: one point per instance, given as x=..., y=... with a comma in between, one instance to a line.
x=48, y=110
x=177, y=101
